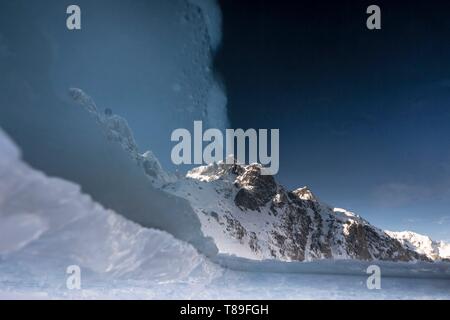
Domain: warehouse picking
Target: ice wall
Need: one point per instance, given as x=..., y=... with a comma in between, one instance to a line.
x=150, y=61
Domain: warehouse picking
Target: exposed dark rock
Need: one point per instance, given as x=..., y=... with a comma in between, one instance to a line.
x=235, y=229
x=253, y=242
x=256, y=190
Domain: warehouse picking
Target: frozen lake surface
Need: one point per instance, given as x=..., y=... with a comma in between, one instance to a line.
x=213, y=282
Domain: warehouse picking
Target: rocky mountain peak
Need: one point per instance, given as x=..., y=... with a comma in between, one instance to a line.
x=215, y=171
x=255, y=190
x=250, y=177
x=305, y=194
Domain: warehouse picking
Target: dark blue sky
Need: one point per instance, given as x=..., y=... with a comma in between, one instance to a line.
x=364, y=115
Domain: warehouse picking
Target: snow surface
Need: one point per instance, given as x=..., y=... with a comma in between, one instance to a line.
x=47, y=224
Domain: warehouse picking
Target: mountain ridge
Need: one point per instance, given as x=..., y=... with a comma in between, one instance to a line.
x=263, y=220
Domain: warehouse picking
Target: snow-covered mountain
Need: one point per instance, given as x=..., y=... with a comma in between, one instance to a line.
x=435, y=250
x=250, y=215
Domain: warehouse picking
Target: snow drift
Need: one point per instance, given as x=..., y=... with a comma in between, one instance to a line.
x=45, y=219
